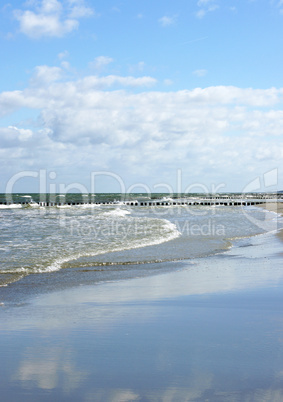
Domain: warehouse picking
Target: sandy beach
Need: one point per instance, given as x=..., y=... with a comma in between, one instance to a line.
x=210, y=330
x=274, y=207
x=277, y=208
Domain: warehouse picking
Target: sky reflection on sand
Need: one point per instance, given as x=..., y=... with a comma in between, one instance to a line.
x=241, y=268
x=210, y=332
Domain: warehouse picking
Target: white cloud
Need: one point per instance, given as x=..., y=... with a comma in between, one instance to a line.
x=96, y=82
x=23, y=134
x=86, y=123
x=51, y=18
x=206, y=6
x=46, y=75
x=38, y=25
x=100, y=62
x=12, y=137
x=200, y=73
x=202, y=3
x=63, y=55
x=78, y=9
x=166, y=21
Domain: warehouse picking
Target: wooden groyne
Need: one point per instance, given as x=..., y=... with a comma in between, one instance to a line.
x=213, y=202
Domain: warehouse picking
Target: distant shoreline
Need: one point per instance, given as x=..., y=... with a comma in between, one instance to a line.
x=274, y=207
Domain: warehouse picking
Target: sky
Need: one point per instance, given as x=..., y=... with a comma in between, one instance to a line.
x=130, y=96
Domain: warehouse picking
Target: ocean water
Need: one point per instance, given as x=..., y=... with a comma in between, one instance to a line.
x=116, y=241
x=73, y=329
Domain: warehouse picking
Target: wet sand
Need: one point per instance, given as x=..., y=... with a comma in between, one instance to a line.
x=212, y=331
x=274, y=207
x=278, y=208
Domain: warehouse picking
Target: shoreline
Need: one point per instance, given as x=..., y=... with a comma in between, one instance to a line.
x=209, y=331
x=278, y=209
x=48, y=283
x=274, y=207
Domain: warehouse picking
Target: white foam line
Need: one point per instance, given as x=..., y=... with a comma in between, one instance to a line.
x=58, y=263
x=169, y=232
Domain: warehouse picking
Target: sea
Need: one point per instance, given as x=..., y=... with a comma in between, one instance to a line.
x=102, y=301
x=98, y=241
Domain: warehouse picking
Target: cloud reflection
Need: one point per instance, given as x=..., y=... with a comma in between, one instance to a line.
x=48, y=368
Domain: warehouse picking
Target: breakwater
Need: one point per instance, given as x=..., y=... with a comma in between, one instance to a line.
x=166, y=202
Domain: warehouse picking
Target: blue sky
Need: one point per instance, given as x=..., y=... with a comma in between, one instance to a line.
x=154, y=95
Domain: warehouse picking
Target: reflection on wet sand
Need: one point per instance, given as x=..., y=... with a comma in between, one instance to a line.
x=187, y=394
x=238, y=269
x=42, y=367
x=210, y=332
